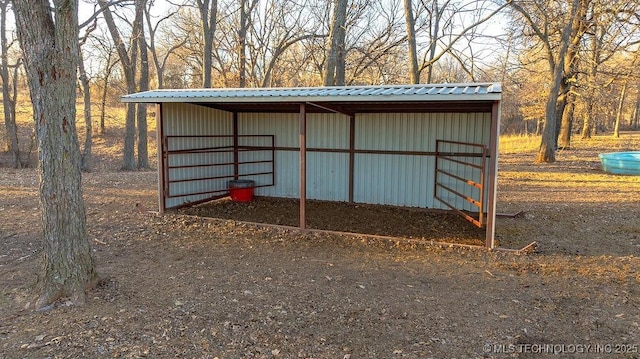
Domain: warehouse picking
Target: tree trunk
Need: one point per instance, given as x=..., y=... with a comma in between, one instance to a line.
x=88, y=133
x=636, y=114
x=141, y=116
x=561, y=106
x=129, y=68
x=592, y=75
x=103, y=108
x=242, y=45
x=616, y=128
x=336, y=45
x=410, y=22
x=586, y=125
x=434, y=30
x=208, y=18
x=546, y=152
x=567, y=123
x=51, y=58
x=566, y=103
x=105, y=92
x=8, y=101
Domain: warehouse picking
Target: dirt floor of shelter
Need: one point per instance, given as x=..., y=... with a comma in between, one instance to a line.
x=437, y=226
x=187, y=286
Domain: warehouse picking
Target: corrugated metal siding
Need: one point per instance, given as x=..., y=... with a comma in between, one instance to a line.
x=327, y=173
x=400, y=180
x=284, y=126
x=287, y=164
x=192, y=120
x=328, y=176
x=187, y=119
x=327, y=131
x=409, y=180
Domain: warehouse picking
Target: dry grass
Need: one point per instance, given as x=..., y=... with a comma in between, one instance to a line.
x=528, y=144
x=510, y=144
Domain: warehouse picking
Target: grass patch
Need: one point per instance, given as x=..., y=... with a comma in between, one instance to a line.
x=510, y=144
x=518, y=144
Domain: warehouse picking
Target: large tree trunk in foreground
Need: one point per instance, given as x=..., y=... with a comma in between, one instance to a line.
x=51, y=58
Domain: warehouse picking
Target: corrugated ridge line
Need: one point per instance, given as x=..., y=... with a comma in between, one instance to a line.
x=429, y=89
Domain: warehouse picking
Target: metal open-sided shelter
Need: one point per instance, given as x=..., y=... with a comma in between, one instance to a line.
x=428, y=146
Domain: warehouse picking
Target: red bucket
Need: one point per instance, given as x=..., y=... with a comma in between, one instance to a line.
x=241, y=190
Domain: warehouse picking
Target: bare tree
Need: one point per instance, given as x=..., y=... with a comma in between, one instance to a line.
x=634, y=120
x=141, y=116
x=376, y=40
x=86, y=159
x=620, y=109
x=108, y=59
x=564, y=107
x=335, y=63
x=623, y=93
x=446, y=24
x=208, y=10
x=611, y=32
x=277, y=26
x=546, y=153
x=128, y=60
x=554, y=33
x=591, y=84
x=414, y=72
x=51, y=58
x=9, y=90
x=160, y=59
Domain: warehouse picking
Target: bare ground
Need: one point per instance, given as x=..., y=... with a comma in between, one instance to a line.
x=183, y=286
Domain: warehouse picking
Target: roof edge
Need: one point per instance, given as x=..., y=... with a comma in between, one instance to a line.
x=483, y=91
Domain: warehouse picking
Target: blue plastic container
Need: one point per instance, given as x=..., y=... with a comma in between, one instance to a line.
x=621, y=163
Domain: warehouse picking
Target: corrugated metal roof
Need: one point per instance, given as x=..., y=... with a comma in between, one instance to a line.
x=382, y=93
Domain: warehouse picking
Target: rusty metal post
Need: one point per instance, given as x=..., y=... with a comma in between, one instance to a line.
x=162, y=160
x=435, y=170
x=303, y=165
x=236, y=154
x=352, y=153
x=493, y=175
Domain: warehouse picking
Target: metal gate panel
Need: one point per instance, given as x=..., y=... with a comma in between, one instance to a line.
x=460, y=178
x=199, y=167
